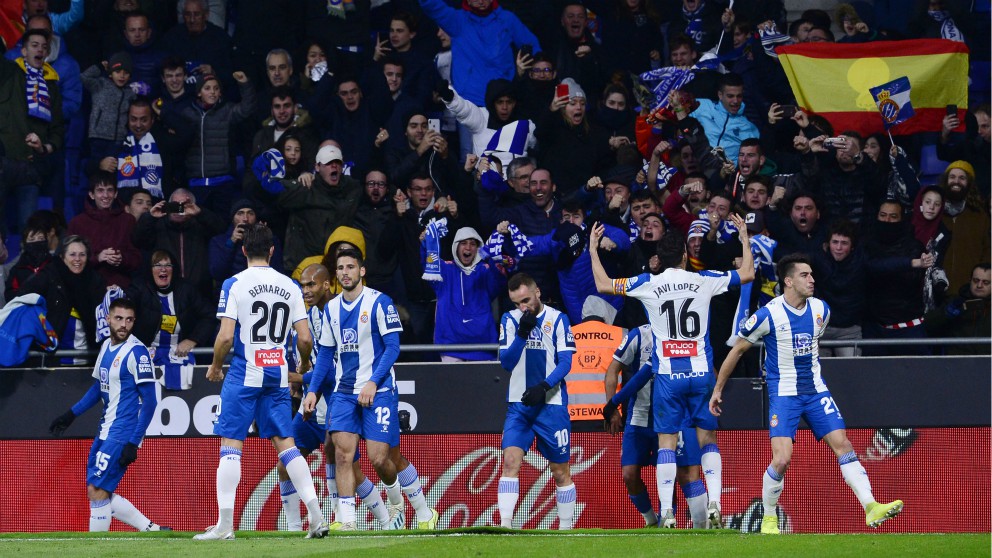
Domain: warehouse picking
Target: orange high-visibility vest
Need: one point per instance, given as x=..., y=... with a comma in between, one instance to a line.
x=595, y=343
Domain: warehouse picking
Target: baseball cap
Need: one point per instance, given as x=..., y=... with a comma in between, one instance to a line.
x=119, y=61
x=328, y=154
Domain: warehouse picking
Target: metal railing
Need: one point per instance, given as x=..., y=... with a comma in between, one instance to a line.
x=430, y=348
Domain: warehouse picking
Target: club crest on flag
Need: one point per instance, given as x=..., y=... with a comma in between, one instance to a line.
x=893, y=101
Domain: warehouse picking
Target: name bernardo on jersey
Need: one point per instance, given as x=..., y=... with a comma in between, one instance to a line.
x=270, y=289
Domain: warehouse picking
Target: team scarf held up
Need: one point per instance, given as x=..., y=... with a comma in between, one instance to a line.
x=436, y=230
x=498, y=247
x=139, y=165
x=39, y=101
x=763, y=250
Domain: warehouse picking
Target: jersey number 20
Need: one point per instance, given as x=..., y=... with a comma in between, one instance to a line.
x=276, y=319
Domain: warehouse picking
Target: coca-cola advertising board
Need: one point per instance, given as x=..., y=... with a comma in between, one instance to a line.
x=173, y=482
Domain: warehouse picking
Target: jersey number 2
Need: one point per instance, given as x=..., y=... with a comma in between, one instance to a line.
x=276, y=318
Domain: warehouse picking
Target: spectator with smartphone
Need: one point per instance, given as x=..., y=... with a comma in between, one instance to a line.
x=573, y=148
x=226, y=257
x=972, y=146
x=965, y=315
x=183, y=228
x=847, y=179
x=108, y=228
x=423, y=151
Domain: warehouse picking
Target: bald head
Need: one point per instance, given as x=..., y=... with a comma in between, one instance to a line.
x=316, y=284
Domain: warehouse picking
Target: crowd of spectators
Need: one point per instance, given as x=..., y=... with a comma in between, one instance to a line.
x=489, y=135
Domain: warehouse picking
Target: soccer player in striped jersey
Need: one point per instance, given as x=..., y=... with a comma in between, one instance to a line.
x=359, y=343
x=125, y=384
x=677, y=303
x=257, y=307
x=791, y=326
x=535, y=346
x=640, y=443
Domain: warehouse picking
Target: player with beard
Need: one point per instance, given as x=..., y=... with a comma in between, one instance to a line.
x=791, y=326
x=966, y=215
x=359, y=342
x=310, y=430
x=125, y=384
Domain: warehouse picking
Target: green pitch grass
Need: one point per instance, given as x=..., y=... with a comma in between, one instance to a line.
x=499, y=543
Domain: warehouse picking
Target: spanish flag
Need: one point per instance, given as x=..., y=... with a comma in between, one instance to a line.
x=833, y=80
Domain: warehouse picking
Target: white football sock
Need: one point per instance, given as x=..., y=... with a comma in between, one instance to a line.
x=331, y=481
x=394, y=493
x=346, y=509
x=373, y=501
x=100, y=515
x=125, y=511
x=509, y=489
x=695, y=497
x=291, y=505
x=299, y=473
x=565, y=496
x=410, y=482
x=228, y=477
x=712, y=465
x=772, y=486
x=665, y=475
x=856, y=477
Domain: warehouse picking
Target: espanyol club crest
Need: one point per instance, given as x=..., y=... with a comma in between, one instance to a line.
x=774, y=421
x=364, y=318
x=888, y=107
x=127, y=168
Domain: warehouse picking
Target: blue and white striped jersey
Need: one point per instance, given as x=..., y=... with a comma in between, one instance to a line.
x=677, y=303
x=265, y=305
x=120, y=368
x=634, y=351
x=792, y=344
x=355, y=330
x=552, y=335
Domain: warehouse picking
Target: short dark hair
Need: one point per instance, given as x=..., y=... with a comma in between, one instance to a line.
x=826, y=31
x=681, y=40
x=124, y=304
x=725, y=195
x=788, y=262
x=806, y=194
x=101, y=177
x=794, y=26
x=282, y=92
x=642, y=195
x=394, y=60
x=753, y=142
x=671, y=249
x=730, y=80
x=46, y=220
x=257, y=242
x=984, y=265
x=983, y=108
x=519, y=280
x=843, y=227
x=172, y=63
x=760, y=179
x=421, y=176
x=350, y=253
x=406, y=17
x=35, y=32
x=139, y=102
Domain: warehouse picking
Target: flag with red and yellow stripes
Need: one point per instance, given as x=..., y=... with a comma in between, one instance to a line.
x=833, y=79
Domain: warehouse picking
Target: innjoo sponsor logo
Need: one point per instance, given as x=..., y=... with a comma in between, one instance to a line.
x=675, y=349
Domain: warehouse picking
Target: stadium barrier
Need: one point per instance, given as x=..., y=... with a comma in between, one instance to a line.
x=916, y=424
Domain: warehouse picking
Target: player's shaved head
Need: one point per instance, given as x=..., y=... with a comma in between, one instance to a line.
x=316, y=273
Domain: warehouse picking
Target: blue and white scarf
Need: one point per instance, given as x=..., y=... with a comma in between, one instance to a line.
x=763, y=249
x=139, y=165
x=39, y=102
x=497, y=247
x=726, y=232
x=269, y=168
x=103, y=310
x=948, y=30
x=436, y=230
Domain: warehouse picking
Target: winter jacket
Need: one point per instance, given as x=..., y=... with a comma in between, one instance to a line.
x=109, y=228
x=64, y=291
x=227, y=259
x=576, y=281
x=969, y=243
x=573, y=154
x=210, y=153
x=314, y=213
x=187, y=240
x=15, y=124
x=724, y=129
x=482, y=47
x=212, y=47
x=972, y=321
x=373, y=220
x=108, y=116
x=301, y=128
x=464, y=303
x=532, y=221
x=853, y=195
x=896, y=287
x=195, y=315
x=146, y=61
x=843, y=285
x=70, y=82
x=781, y=228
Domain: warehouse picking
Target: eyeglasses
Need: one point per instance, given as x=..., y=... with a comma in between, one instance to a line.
x=162, y=266
x=375, y=184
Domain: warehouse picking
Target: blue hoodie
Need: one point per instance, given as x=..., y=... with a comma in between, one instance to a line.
x=464, y=297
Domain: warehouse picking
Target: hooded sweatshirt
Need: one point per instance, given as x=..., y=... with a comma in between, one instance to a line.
x=464, y=298
x=483, y=123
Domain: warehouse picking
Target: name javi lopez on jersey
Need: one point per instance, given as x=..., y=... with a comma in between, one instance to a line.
x=662, y=289
x=272, y=289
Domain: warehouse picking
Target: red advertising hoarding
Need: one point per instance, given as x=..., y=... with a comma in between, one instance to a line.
x=173, y=482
